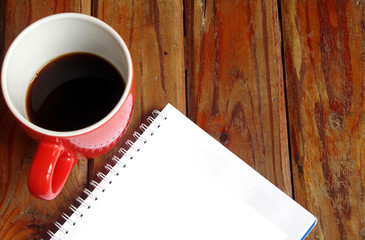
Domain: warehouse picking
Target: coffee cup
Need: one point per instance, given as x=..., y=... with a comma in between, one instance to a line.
x=35, y=47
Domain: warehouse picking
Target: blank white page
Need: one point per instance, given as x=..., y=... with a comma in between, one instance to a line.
x=183, y=184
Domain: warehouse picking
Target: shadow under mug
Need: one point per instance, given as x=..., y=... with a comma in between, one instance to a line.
x=58, y=151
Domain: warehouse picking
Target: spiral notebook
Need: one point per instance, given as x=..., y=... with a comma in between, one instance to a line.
x=177, y=182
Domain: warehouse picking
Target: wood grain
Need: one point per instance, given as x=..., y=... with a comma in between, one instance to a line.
x=22, y=216
x=234, y=81
x=324, y=49
x=153, y=31
x=233, y=89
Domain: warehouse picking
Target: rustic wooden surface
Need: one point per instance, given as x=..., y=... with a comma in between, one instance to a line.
x=324, y=51
x=235, y=81
x=221, y=63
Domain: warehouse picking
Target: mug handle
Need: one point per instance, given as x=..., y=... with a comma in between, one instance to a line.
x=50, y=168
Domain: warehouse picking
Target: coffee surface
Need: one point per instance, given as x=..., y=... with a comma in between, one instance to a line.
x=73, y=91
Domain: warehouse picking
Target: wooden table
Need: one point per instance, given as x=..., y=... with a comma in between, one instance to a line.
x=281, y=84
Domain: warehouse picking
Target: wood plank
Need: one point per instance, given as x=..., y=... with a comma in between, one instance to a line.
x=235, y=82
x=153, y=31
x=324, y=47
x=23, y=216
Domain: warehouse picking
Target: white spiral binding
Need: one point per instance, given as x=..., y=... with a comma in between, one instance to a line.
x=144, y=127
x=124, y=152
x=111, y=169
x=52, y=235
x=97, y=186
x=103, y=177
x=83, y=203
x=67, y=219
x=76, y=211
x=60, y=227
x=138, y=137
x=118, y=160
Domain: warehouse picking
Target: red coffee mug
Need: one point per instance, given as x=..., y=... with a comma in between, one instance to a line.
x=58, y=151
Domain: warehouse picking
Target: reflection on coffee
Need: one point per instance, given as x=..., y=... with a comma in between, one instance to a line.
x=73, y=91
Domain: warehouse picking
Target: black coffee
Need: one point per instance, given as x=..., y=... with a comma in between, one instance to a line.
x=73, y=91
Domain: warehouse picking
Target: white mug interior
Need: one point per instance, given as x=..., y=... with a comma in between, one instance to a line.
x=49, y=38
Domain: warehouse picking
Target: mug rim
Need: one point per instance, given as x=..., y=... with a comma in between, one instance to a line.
x=81, y=16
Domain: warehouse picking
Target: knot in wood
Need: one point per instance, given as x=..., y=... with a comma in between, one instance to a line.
x=335, y=122
x=223, y=138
